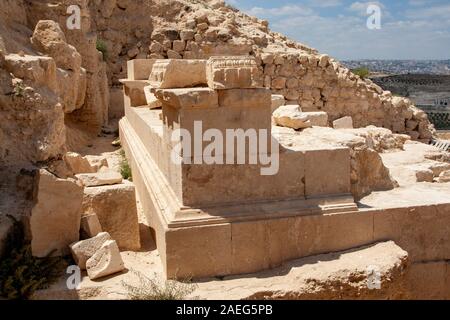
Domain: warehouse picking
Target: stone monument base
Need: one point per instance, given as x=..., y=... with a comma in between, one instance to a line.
x=237, y=238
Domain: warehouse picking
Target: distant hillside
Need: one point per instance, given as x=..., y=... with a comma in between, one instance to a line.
x=434, y=67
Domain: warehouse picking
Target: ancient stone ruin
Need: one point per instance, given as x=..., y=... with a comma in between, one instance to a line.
x=185, y=140
x=244, y=221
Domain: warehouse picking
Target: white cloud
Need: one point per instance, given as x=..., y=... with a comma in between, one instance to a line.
x=232, y=2
x=420, y=32
x=347, y=37
x=288, y=10
x=361, y=7
x=441, y=12
x=325, y=3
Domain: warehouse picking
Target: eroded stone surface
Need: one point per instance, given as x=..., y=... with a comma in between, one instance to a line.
x=188, y=98
x=90, y=226
x=343, y=275
x=105, y=261
x=343, y=123
x=115, y=207
x=233, y=72
x=102, y=178
x=172, y=74
x=83, y=250
x=55, y=217
x=291, y=116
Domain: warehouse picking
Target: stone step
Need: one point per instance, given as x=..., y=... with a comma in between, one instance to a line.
x=370, y=272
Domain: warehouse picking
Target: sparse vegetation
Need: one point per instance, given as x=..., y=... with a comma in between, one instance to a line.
x=149, y=289
x=21, y=274
x=362, y=72
x=19, y=89
x=103, y=48
x=125, y=169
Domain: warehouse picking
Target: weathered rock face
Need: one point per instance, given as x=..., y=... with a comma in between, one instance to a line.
x=55, y=218
x=30, y=109
x=92, y=107
x=162, y=29
x=378, y=271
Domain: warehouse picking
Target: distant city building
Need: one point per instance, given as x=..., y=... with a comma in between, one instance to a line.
x=434, y=67
x=431, y=93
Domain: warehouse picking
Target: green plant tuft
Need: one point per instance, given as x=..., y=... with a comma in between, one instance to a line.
x=103, y=48
x=125, y=169
x=21, y=274
x=19, y=89
x=149, y=289
x=362, y=72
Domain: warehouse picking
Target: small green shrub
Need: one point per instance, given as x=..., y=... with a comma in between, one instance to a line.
x=21, y=274
x=103, y=48
x=148, y=289
x=362, y=72
x=125, y=169
x=19, y=89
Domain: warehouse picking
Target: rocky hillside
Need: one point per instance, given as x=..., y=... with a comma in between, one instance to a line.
x=55, y=84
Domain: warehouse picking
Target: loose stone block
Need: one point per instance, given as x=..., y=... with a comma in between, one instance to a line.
x=233, y=72
x=245, y=98
x=139, y=69
x=83, y=250
x=102, y=178
x=444, y=177
x=90, y=226
x=134, y=92
x=55, y=217
x=172, y=74
x=115, y=207
x=291, y=116
x=77, y=164
x=105, y=261
x=343, y=123
x=188, y=98
x=318, y=118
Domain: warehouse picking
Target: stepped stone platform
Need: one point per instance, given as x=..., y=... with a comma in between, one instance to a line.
x=222, y=219
x=205, y=215
x=413, y=265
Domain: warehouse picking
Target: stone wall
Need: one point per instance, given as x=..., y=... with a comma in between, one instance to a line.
x=187, y=30
x=181, y=29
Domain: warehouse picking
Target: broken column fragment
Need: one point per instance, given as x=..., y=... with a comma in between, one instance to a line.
x=83, y=250
x=105, y=261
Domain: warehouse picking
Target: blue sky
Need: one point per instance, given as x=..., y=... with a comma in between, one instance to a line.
x=410, y=29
